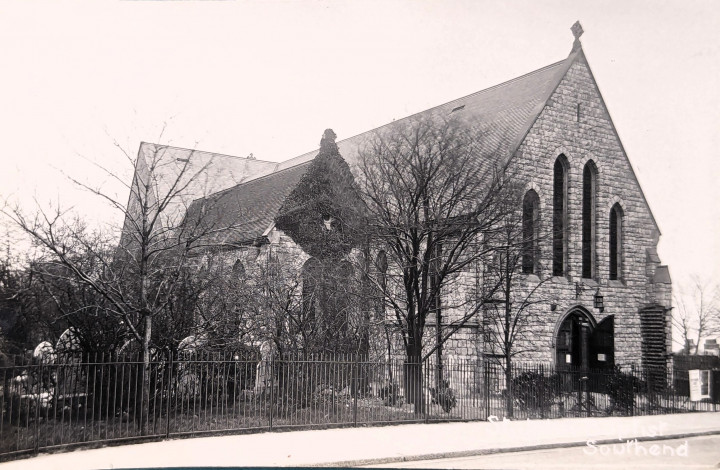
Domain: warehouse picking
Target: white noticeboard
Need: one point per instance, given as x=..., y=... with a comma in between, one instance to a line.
x=699, y=384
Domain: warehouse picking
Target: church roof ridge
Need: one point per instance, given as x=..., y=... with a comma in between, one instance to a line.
x=175, y=147
x=470, y=95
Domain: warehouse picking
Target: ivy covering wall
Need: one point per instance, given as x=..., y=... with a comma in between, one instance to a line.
x=323, y=214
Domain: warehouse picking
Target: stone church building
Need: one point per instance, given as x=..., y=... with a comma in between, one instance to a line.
x=608, y=295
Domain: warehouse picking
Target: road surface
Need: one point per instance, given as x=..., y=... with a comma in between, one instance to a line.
x=697, y=453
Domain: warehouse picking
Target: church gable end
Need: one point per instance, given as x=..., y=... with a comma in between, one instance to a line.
x=576, y=125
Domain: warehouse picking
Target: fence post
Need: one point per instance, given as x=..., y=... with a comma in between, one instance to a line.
x=423, y=372
x=355, y=388
x=272, y=390
x=632, y=390
x=36, y=445
x=586, y=378
x=650, y=398
x=578, y=376
x=168, y=396
x=486, y=366
x=542, y=391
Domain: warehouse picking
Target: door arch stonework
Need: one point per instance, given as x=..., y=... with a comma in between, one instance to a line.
x=581, y=342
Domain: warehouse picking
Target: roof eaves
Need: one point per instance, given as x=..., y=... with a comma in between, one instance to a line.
x=569, y=61
x=206, y=152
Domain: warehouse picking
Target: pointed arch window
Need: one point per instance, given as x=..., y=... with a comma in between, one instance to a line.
x=616, y=242
x=588, y=220
x=559, y=243
x=311, y=281
x=239, y=269
x=530, y=223
x=381, y=264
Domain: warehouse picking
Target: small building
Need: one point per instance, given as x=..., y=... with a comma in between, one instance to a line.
x=711, y=347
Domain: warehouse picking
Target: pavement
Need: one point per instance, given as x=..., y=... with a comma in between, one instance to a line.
x=375, y=445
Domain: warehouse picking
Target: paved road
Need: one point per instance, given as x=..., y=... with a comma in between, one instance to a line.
x=696, y=453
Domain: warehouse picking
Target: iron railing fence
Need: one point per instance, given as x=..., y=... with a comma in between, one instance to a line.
x=98, y=398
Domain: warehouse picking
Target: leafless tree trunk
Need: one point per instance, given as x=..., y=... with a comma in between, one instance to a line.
x=136, y=270
x=432, y=193
x=697, y=314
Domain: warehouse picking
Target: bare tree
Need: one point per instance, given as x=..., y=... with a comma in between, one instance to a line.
x=514, y=276
x=432, y=199
x=138, y=272
x=697, y=314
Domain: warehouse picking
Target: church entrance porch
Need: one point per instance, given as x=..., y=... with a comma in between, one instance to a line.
x=582, y=343
x=584, y=349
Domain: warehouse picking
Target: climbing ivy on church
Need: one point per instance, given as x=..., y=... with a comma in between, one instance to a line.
x=323, y=214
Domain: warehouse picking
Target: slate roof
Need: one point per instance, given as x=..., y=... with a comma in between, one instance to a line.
x=198, y=173
x=503, y=113
x=191, y=174
x=241, y=214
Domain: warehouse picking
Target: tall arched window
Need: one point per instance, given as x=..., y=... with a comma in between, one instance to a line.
x=560, y=216
x=381, y=264
x=311, y=283
x=616, y=241
x=588, y=220
x=530, y=222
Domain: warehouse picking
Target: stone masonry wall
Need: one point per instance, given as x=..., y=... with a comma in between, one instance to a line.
x=591, y=137
x=576, y=124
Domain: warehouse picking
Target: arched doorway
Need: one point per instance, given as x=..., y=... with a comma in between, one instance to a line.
x=572, y=340
x=581, y=342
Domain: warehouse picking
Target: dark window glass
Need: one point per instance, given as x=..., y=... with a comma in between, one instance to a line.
x=239, y=269
x=588, y=221
x=311, y=277
x=559, y=199
x=615, y=242
x=529, y=224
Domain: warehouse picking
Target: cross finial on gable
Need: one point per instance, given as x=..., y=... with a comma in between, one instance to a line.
x=577, y=31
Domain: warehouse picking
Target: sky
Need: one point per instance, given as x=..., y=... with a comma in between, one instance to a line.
x=83, y=83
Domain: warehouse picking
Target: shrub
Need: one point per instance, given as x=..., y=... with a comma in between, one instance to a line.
x=390, y=394
x=326, y=396
x=536, y=392
x=444, y=396
x=622, y=388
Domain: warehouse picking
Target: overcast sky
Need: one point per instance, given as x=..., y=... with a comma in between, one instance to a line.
x=268, y=77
